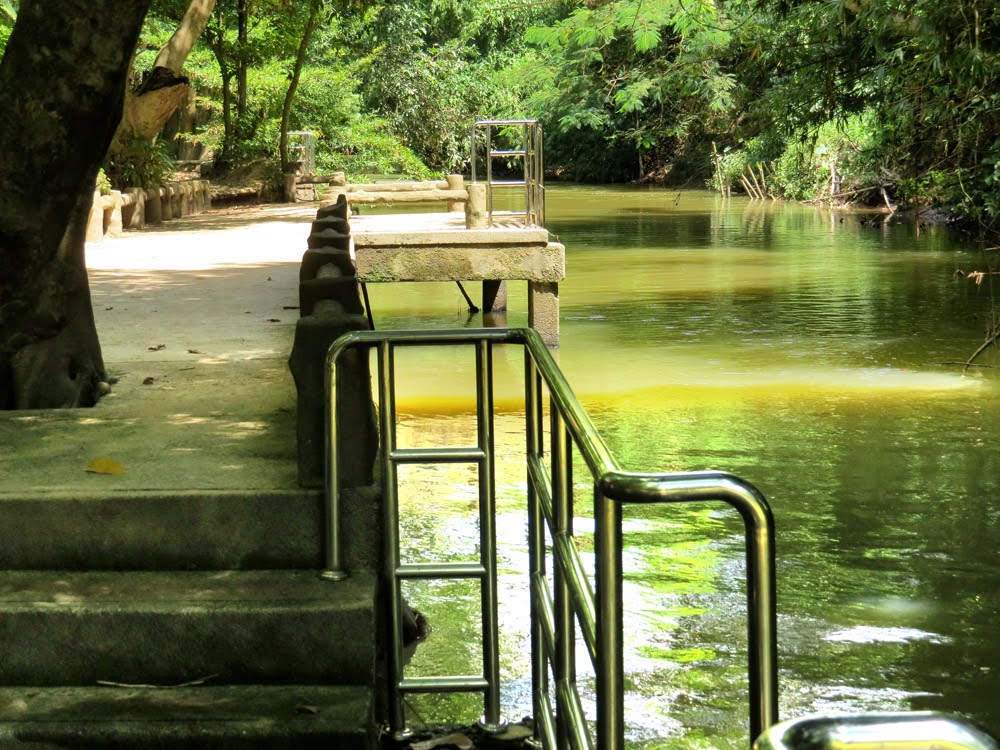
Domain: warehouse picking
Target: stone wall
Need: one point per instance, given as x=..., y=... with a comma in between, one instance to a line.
x=134, y=208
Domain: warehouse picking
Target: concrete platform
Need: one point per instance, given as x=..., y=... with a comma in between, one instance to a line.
x=196, y=318
x=438, y=247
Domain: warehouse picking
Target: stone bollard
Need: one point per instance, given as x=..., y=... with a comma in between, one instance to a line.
x=171, y=201
x=476, y=216
x=113, y=214
x=455, y=182
x=95, y=222
x=188, y=199
x=154, y=205
x=204, y=192
x=134, y=214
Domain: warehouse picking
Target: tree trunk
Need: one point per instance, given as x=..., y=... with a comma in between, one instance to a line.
x=243, y=45
x=293, y=84
x=217, y=43
x=62, y=85
x=147, y=110
x=175, y=52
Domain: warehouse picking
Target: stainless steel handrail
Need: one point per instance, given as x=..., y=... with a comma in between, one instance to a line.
x=917, y=730
x=555, y=615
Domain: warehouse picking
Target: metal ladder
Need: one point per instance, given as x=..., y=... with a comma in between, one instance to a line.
x=485, y=132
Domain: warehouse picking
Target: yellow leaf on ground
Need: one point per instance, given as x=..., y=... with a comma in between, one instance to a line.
x=104, y=466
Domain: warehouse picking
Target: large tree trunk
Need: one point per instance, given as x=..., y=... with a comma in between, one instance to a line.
x=62, y=84
x=175, y=52
x=148, y=109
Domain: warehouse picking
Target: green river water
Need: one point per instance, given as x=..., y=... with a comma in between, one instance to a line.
x=798, y=348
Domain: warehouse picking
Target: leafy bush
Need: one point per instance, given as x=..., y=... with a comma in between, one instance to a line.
x=139, y=163
x=365, y=147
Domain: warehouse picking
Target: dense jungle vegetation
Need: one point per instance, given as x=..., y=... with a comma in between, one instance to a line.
x=880, y=101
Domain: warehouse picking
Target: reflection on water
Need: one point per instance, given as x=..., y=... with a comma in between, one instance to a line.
x=796, y=348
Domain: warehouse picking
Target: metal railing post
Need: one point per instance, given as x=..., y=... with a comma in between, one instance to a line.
x=332, y=569
x=491, y=720
x=536, y=555
x=391, y=582
x=610, y=669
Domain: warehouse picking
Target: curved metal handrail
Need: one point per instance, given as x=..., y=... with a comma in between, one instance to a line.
x=612, y=488
x=916, y=730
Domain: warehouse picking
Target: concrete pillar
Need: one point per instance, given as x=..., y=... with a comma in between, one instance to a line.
x=494, y=296
x=95, y=222
x=113, y=214
x=455, y=182
x=543, y=311
x=134, y=215
x=475, y=207
x=154, y=205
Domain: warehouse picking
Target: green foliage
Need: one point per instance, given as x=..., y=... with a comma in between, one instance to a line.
x=8, y=15
x=900, y=95
x=140, y=163
x=437, y=66
x=922, y=76
x=103, y=183
x=641, y=79
x=368, y=147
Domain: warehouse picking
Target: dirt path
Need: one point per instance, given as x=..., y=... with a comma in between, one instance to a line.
x=196, y=319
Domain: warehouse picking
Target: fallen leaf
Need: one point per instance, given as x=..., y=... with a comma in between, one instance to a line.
x=289, y=307
x=193, y=351
x=457, y=739
x=110, y=308
x=274, y=320
x=104, y=466
x=306, y=708
x=148, y=381
x=157, y=348
x=268, y=278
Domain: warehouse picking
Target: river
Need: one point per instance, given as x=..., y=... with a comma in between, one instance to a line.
x=802, y=349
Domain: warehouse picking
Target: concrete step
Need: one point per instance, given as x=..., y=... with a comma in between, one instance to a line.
x=238, y=717
x=155, y=530
x=167, y=628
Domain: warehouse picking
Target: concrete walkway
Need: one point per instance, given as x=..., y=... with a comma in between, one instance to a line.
x=196, y=319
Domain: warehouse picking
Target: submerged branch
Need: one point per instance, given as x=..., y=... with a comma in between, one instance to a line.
x=982, y=348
